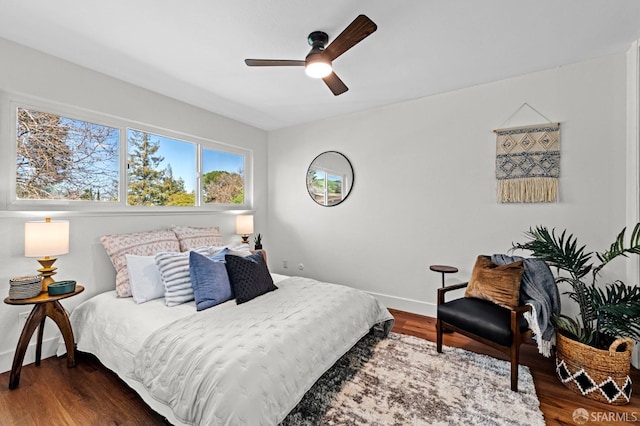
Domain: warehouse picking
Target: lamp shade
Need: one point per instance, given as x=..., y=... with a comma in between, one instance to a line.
x=244, y=224
x=46, y=238
x=317, y=67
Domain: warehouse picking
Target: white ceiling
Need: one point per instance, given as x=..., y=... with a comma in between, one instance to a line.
x=194, y=50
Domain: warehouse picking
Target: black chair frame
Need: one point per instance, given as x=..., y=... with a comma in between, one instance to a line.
x=512, y=351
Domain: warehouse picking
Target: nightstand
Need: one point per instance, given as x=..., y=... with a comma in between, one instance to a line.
x=44, y=306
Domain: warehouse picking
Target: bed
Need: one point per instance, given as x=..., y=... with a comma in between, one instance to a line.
x=232, y=364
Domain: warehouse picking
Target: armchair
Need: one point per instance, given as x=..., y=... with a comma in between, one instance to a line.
x=484, y=321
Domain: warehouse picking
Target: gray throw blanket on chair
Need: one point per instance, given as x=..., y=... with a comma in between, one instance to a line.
x=538, y=289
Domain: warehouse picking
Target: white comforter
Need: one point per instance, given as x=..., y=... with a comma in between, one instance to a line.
x=251, y=363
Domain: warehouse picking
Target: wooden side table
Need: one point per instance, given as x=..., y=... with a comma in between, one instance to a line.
x=443, y=269
x=44, y=306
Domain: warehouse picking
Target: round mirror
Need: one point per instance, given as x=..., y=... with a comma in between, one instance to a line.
x=329, y=178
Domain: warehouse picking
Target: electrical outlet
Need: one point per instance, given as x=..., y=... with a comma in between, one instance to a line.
x=22, y=318
x=301, y=266
x=285, y=264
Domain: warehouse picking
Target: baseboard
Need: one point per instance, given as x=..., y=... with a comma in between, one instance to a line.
x=49, y=348
x=407, y=305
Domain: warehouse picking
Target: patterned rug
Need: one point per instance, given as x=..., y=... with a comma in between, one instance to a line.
x=402, y=380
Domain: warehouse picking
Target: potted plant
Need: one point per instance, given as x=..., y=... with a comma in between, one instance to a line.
x=593, y=353
x=257, y=240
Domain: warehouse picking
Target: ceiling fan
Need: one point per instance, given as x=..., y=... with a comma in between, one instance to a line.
x=318, y=62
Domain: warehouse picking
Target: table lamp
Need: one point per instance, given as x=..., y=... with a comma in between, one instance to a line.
x=244, y=227
x=44, y=239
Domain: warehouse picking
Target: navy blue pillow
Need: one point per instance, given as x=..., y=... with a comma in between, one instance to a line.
x=249, y=276
x=209, y=280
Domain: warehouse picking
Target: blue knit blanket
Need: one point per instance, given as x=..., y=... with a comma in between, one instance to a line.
x=538, y=289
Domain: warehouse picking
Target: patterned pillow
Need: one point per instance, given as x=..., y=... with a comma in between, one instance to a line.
x=148, y=243
x=499, y=284
x=209, y=279
x=249, y=276
x=191, y=237
x=174, y=269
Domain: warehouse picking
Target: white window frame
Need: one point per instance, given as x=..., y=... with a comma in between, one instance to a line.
x=345, y=184
x=9, y=103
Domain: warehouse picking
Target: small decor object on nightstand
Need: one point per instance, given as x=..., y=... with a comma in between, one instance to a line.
x=258, y=242
x=24, y=287
x=61, y=287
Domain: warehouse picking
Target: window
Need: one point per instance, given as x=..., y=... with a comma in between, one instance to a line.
x=160, y=171
x=65, y=159
x=325, y=188
x=85, y=163
x=222, y=177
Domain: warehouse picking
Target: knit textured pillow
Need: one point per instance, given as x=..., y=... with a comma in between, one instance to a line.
x=148, y=243
x=174, y=269
x=499, y=284
x=191, y=237
x=249, y=276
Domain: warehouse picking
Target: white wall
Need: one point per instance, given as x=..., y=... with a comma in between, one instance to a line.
x=424, y=187
x=35, y=74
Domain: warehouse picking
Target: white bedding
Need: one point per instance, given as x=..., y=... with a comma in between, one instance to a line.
x=259, y=357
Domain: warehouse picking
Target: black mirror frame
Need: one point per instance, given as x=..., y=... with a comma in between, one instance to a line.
x=353, y=176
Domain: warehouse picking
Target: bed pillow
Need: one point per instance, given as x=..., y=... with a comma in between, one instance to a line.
x=241, y=250
x=174, y=269
x=219, y=256
x=191, y=237
x=148, y=243
x=144, y=278
x=249, y=276
x=499, y=284
x=209, y=280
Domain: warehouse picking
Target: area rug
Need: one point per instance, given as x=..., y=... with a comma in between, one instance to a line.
x=402, y=380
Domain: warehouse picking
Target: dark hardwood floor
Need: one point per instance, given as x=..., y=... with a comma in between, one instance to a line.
x=89, y=394
x=556, y=401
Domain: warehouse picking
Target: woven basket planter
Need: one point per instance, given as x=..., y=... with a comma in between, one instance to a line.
x=601, y=375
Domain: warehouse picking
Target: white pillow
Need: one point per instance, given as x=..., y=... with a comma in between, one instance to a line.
x=144, y=278
x=241, y=250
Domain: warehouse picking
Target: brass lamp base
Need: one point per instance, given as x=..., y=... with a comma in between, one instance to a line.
x=47, y=271
x=245, y=238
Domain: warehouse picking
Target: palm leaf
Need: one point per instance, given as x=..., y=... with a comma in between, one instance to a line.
x=582, y=294
x=618, y=309
x=573, y=329
x=618, y=249
x=559, y=251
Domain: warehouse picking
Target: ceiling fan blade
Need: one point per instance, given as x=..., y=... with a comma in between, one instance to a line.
x=335, y=84
x=358, y=30
x=273, y=63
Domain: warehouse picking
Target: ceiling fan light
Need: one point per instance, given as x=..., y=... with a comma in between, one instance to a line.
x=318, y=69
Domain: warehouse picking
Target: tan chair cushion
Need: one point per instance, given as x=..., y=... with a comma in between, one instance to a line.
x=499, y=284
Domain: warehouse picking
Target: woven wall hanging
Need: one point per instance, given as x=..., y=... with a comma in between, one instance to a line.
x=528, y=162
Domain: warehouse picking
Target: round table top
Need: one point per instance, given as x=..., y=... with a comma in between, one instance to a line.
x=43, y=297
x=444, y=269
